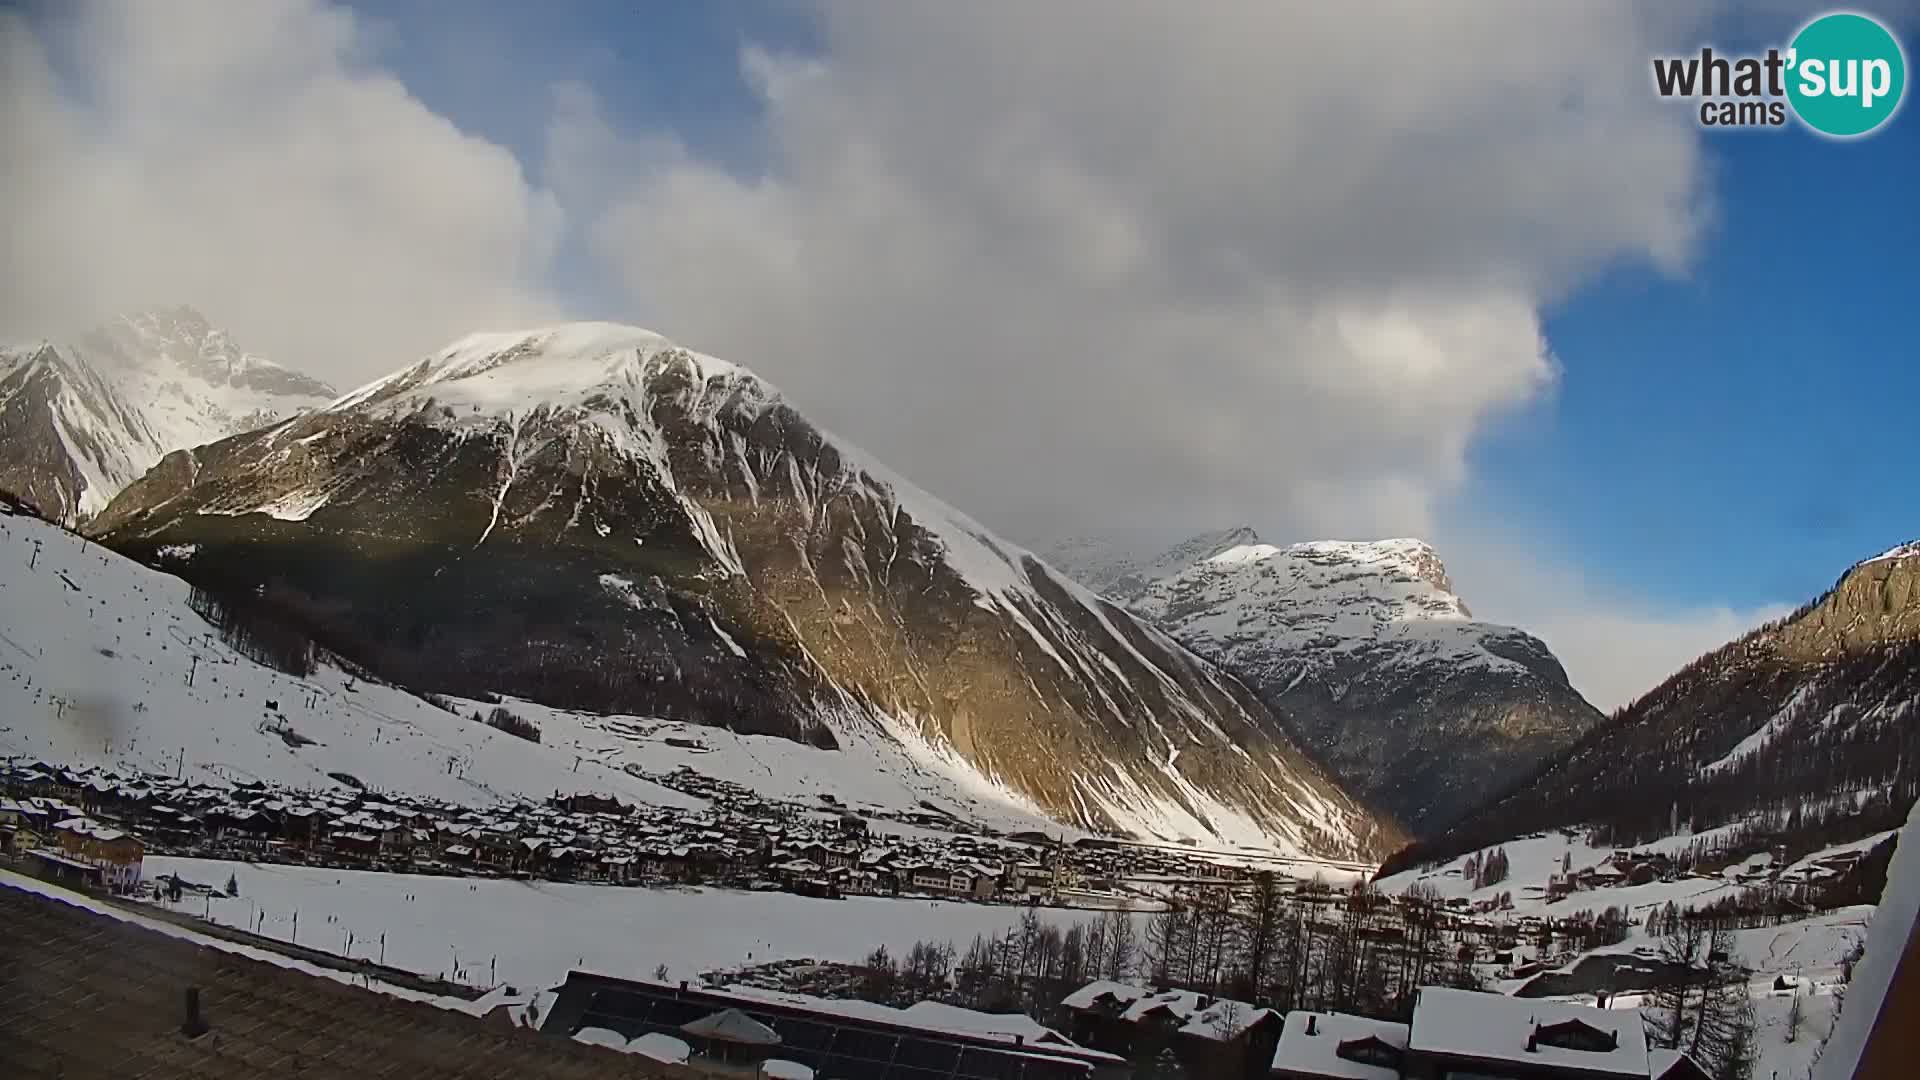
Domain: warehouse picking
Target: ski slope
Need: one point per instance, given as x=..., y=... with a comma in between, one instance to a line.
x=102, y=661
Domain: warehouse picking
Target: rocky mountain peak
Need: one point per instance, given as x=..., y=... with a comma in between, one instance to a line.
x=82, y=420
x=1875, y=603
x=1364, y=645
x=180, y=340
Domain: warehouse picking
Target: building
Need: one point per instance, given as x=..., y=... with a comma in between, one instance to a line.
x=1457, y=1031
x=1461, y=1034
x=844, y=1040
x=1208, y=1035
x=1318, y=1046
x=118, y=855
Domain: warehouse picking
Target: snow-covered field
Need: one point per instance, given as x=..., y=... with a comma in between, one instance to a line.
x=96, y=652
x=531, y=933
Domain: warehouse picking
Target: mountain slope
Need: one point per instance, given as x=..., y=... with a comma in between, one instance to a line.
x=591, y=517
x=1370, y=655
x=1810, y=724
x=80, y=422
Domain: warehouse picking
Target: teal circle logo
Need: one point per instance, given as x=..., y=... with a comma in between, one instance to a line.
x=1846, y=74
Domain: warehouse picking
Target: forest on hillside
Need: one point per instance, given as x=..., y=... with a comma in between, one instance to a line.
x=1804, y=755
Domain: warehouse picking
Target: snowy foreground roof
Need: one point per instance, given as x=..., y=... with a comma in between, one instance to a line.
x=1208, y=1017
x=1493, y=1027
x=1318, y=1053
x=1890, y=936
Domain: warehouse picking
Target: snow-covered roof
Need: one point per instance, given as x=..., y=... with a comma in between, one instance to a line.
x=782, y=1069
x=1085, y=997
x=1223, y=1019
x=599, y=1036
x=1318, y=1054
x=1494, y=1027
x=935, y=1016
x=661, y=1047
x=1660, y=1059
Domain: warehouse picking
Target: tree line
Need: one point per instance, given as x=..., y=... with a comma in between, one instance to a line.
x=1354, y=951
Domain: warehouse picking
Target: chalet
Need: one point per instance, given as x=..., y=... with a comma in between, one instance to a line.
x=1026, y=876
x=1457, y=1032
x=303, y=826
x=1335, y=1046
x=117, y=855
x=1208, y=1035
x=588, y=803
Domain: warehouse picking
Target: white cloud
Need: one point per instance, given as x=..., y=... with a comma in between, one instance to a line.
x=1075, y=267
x=1101, y=266
x=248, y=159
x=1117, y=269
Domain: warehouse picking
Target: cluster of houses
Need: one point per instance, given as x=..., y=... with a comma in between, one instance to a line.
x=736, y=839
x=58, y=841
x=1624, y=868
x=1106, y=1031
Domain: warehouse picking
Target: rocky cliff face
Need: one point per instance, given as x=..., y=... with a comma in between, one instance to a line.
x=79, y=422
x=1812, y=722
x=1372, y=658
x=592, y=517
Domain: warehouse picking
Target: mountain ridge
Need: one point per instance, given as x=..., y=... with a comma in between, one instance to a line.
x=79, y=422
x=722, y=559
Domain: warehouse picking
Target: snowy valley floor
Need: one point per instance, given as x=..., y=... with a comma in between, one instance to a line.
x=531, y=933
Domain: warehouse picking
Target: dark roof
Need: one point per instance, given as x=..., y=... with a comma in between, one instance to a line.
x=832, y=1043
x=734, y=1026
x=84, y=995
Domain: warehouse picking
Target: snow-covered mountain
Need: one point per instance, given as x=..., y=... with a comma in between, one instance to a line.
x=591, y=517
x=1367, y=651
x=79, y=422
x=1804, y=731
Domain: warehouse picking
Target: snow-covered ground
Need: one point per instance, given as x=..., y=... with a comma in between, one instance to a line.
x=12, y=880
x=1808, y=953
x=96, y=652
x=530, y=934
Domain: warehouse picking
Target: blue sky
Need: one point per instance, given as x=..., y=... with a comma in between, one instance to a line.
x=1743, y=432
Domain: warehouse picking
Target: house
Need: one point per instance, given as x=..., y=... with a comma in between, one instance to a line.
x=118, y=855
x=1458, y=1032
x=1335, y=1046
x=1208, y=1035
